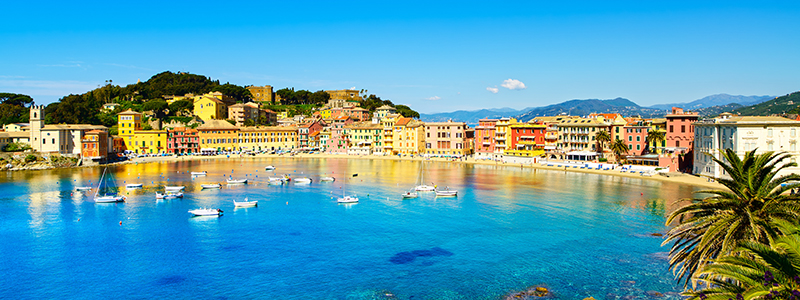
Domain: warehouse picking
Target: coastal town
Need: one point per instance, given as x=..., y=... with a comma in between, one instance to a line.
x=676, y=143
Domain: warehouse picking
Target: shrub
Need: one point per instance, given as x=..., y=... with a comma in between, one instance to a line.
x=602, y=159
x=14, y=147
x=30, y=158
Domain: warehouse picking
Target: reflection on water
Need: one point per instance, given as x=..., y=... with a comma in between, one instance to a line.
x=509, y=228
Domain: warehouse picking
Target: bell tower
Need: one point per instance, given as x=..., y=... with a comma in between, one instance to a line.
x=36, y=117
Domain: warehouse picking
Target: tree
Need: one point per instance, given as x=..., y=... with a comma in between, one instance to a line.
x=406, y=111
x=13, y=114
x=653, y=137
x=241, y=94
x=619, y=148
x=302, y=96
x=756, y=271
x=287, y=96
x=602, y=137
x=177, y=107
x=157, y=106
x=15, y=99
x=319, y=97
x=249, y=122
x=712, y=227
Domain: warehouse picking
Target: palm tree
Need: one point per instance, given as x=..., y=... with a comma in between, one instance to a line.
x=602, y=137
x=654, y=136
x=712, y=227
x=757, y=271
x=619, y=148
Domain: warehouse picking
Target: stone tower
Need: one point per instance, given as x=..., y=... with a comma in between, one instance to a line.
x=36, y=123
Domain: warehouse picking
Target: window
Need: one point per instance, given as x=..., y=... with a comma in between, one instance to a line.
x=683, y=128
x=630, y=147
x=670, y=128
x=769, y=133
x=792, y=132
x=638, y=139
x=630, y=138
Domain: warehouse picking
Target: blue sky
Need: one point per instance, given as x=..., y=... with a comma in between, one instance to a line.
x=432, y=55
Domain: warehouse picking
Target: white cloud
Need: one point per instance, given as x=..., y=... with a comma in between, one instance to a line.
x=494, y=89
x=433, y=98
x=353, y=88
x=513, y=84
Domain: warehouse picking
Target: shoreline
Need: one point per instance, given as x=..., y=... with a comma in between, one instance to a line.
x=680, y=178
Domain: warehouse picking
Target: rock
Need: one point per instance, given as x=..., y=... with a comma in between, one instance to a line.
x=654, y=294
x=589, y=298
x=656, y=234
x=541, y=289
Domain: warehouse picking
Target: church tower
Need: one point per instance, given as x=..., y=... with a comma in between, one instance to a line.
x=36, y=125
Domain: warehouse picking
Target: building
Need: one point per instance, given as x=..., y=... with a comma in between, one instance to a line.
x=485, y=139
x=680, y=132
x=268, y=138
x=344, y=95
x=17, y=127
x=217, y=136
x=263, y=94
x=635, y=136
x=500, y=135
x=136, y=140
x=182, y=140
x=365, y=138
x=387, y=123
x=210, y=108
x=446, y=139
x=270, y=117
x=243, y=112
x=18, y=137
x=65, y=139
x=383, y=111
x=95, y=145
x=551, y=131
x=305, y=130
x=526, y=140
x=338, y=143
x=409, y=136
x=743, y=134
x=577, y=137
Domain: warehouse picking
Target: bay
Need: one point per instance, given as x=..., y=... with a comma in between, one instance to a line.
x=510, y=228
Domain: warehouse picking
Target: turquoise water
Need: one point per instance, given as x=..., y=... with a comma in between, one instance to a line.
x=578, y=234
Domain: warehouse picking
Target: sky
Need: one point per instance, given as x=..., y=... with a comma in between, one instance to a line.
x=435, y=56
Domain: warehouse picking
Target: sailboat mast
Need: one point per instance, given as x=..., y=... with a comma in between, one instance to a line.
x=100, y=183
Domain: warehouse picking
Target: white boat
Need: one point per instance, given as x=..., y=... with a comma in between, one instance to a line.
x=302, y=180
x=345, y=198
x=203, y=173
x=108, y=196
x=211, y=186
x=327, y=178
x=174, y=188
x=245, y=203
x=410, y=194
x=424, y=188
x=83, y=188
x=421, y=179
x=169, y=195
x=236, y=181
x=206, y=212
x=133, y=185
x=446, y=193
x=268, y=168
x=275, y=180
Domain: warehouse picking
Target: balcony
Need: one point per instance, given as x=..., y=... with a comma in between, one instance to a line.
x=500, y=138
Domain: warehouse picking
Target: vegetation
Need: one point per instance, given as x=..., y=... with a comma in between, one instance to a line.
x=602, y=137
x=781, y=105
x=653, y=137
x=372, y=102
x=16, y=147
x=619, y=148
x=13, y=108
x=30, y=158
x=716, y=226
x=289, y=96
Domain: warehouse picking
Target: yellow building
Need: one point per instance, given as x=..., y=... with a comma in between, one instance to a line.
x=501, y=134
x=210, y=108
x=282, y=115
x=388, y=133
x=218, y=135
x=345, y=94
x=523, y=142
x=129, y=128
x=274, y=138
x=262, y=93
x=409, y=136
x=364, y=138
x=325, y=114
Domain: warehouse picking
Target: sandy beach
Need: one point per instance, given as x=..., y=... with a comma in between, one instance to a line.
x=681, y=178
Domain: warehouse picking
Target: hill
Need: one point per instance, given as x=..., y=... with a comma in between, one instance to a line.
x=715, y=100
x=781, y=105
x=584, y=107
x=472, y=117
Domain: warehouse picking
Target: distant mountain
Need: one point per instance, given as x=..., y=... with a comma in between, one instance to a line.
x=584, y=107
x=471, y=117
x=781, y=105
x=715, y=100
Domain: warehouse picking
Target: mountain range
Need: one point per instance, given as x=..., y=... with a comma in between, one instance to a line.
x=710, y=105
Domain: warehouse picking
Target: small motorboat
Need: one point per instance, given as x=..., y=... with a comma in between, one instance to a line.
x=348, y=199
x=409, y=195
x=203, y=173
x=206, y=212
x=133, y=185
x=236, y=181
x=245, y=203
x=109, y=199
x=211, y=186
x=302, y=180
x=275, y=180
x=83, y=188
x=425, y=188
x=169, y=195
x=174, y=188
x=327, y=178
x=446, y=193
x=269, y=168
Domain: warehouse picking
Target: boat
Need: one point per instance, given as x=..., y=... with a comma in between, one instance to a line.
x=133, y=185
x=302, y=180
x=174, y=188
x=327, y=178
x=446, y=193
x=203, y=173
x=345, y=198
x=275, y=180
x=423, y=187
x=83, y=188
x=410, y=194
x=169, y=195
x=211, y=186
x=245, y=203
x=269, y=168
x=109, y=193
x=236, y=181
x=206, y=212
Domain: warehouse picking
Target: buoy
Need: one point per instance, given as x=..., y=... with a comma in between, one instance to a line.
x=120, y=223
x=642, y=194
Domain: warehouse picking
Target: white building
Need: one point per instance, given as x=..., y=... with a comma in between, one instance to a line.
x=60, y=138
x=743, y=134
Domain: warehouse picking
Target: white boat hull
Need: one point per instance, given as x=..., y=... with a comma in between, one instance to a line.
x=302, y=180
x=236, y=181
x=269, y=168
x=424, y=188
x=206, y=212
x=446, y=193
x=83, y=188
x=199, y=173
x=348, y=199
x=109, y=199
x=133, y=185
x=169, y=195
x=410, y=195
x=327, y=179
x=174, y=188
x=211, y=186
x=245, y=203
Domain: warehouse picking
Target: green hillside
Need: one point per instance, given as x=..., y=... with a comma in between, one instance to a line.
x=781, y=105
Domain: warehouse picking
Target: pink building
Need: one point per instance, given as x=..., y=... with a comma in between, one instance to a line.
x=338, y=142
x=635, y=136
x=305, y=130
x=446, y=139
x=680, y=130
x=484, y=138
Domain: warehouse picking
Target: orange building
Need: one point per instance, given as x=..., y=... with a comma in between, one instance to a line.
x=95, y=145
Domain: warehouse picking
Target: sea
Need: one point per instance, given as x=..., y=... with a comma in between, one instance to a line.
x=508, y=230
